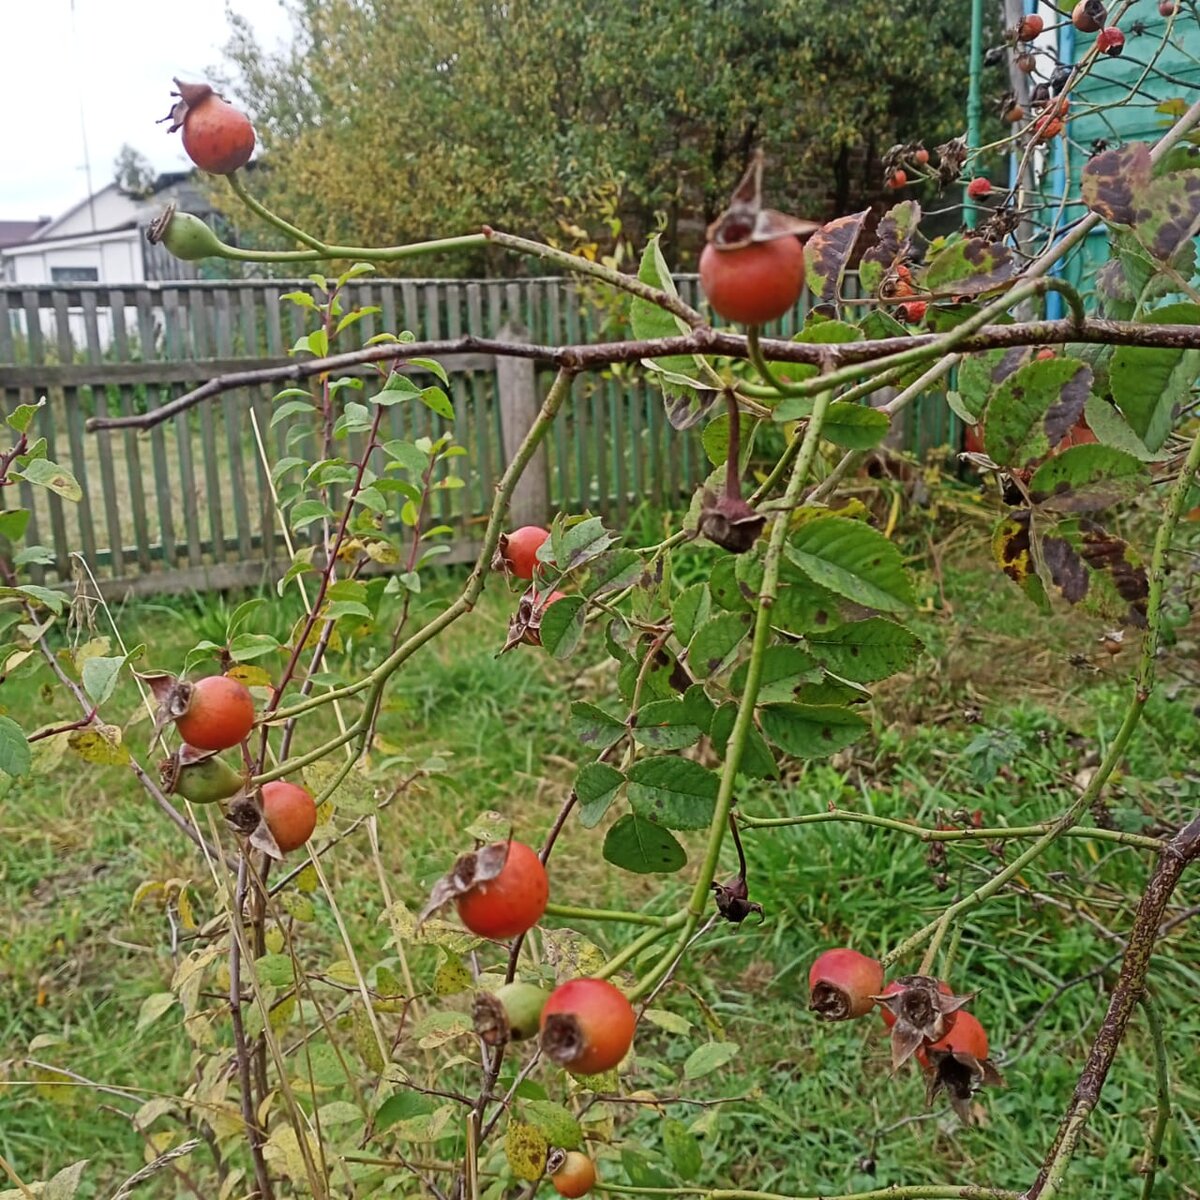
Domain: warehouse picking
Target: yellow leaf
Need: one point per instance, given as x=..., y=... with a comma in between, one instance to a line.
x=99, y=744
x=250, y=675
x=525, y=1147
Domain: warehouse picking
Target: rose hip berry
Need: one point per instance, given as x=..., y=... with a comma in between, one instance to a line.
x=896, y=180
x=979, y=187
x=958, y=1064
x=587, y=1026
x=914, y=311
x=219, y=713
x=290, y=813
x=217, y=137
x=518, y=550
x=1111, y=41
x=1031, y=25
x=843, y=984
x=512, y=901
x=1088, y=16
x=572, y=1172
x=753, y=284
x=511, y=1013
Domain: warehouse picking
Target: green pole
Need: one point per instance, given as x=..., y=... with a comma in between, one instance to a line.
x=974, y=101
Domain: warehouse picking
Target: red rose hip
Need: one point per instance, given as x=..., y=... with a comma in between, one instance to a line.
x=587, y=1026
x=843, y=983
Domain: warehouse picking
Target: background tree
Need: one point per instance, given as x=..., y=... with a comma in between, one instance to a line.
x=397, y=119
x=133, y=172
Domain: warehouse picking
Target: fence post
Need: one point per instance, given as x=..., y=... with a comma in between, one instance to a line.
x=516, y=387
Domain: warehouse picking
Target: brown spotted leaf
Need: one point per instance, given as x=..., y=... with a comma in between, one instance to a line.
x=1114, y=182
x=1012, y=550
x=1087, y=478
x=1096, y=570
x=1167, y=214
x=827, y=253
x=99, y=744
x=980, y=374
x=893, y=244
x=969, y=267
x=1033, y=408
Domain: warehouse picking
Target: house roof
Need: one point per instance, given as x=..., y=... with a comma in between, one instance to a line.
x=164, y=181
x=13, y=232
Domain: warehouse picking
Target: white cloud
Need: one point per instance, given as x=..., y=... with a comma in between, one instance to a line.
x=107, y=69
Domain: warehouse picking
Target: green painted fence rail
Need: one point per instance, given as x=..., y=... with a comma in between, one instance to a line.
x=188, y=504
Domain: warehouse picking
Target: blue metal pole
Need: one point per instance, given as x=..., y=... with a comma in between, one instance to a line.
x=974, y=102
x=1059, y=180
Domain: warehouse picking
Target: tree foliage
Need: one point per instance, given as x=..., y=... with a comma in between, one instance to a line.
x=397, y=119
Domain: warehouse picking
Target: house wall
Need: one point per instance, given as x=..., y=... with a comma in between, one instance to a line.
x=116, y=258
x=110, y=208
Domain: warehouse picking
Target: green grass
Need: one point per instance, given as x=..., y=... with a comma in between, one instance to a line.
x=822, y=1111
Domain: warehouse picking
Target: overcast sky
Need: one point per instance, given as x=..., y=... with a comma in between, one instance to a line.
x=108, y=71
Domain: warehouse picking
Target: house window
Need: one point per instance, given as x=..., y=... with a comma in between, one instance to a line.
x=74, y=275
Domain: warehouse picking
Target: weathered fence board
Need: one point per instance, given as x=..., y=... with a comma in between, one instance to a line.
x=189, y=503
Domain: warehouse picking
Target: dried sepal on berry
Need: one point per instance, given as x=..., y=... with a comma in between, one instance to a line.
x=746, y=221
x=469, y=871
x=729, y=522
x=525, y=625
x=959, y=1065
x=245, y=816
x=918, y=1009
x=733, y=900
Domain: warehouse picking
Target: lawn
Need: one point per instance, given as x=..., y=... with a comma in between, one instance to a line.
x=996, y=717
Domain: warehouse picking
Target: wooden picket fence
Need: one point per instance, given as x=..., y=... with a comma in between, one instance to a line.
x=188, y=505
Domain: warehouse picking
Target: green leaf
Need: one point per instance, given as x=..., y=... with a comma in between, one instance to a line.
x=1032, y=410
x=1150, y=383
x=757, y=761
x=407, y=455
x=22, y=416
x=784, y=670
x=670, y=1021
x=716, y=641
x=596, y=787
x=49, y=598
x=708, y=1058
x=611, y=571
x=865, y=651
x=665, y=725
x=305, y=512
x=15, y=755
x=812, y=730
x=1085, y=478
x=853, y=560
x=289, y=409
x=1113, y=430
x=593, y=726
x=557, y=1124
x=437, y=401
x=274, y=969
x=687, y=400
x=13, y=523
x=562, y=625
x=672, y=791
x=50, y=475
x=248, y=646
x=893, y=243
x=99, y=677
x=682, y=1147
x=432, y=366
x=643, y=847
x=344, y=608
x=855, y=426
x=691, y=609
x=715, y=439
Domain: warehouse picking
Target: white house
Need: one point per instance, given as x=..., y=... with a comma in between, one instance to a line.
x=102, y=239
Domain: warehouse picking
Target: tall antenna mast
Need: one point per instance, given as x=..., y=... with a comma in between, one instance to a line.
x=87, y=162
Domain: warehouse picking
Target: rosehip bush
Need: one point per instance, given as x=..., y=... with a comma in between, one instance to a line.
x=499, y=1033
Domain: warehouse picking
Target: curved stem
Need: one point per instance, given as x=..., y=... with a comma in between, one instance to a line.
x=256, y=206
x=918, y=1191
x=578, y=913
x=922, y=833
x=359, y=253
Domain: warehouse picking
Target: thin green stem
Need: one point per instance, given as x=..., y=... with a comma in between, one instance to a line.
x=358, y=253
x=1142, y=685
x=744, y=720
x=998, y=834
x=935, y=944
x=918, y=1191
x=1162, y=1088
x=257, y=207
x=584, y=266
x=578, y=913
x=628, y=953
